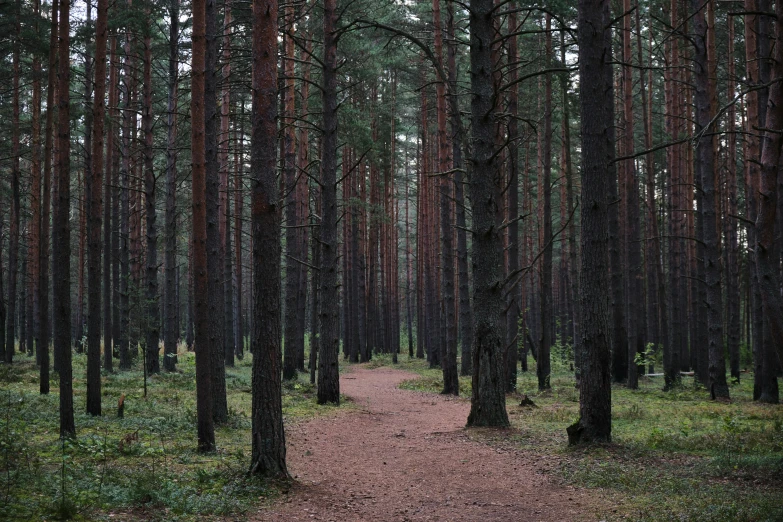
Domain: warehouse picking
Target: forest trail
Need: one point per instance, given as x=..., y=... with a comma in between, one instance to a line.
x=405, y=456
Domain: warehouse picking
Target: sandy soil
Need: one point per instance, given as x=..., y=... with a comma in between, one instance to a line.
x=406, y=456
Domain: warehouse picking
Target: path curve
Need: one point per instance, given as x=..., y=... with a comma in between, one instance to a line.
x=405, y=456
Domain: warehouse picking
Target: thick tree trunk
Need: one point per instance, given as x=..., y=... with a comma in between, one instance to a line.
x=61, y=252
x=597, y=101
x=268, y=457
x=766, y=259
x=328, y=377
x=705, y=164
x=206, y=429
x=488, y=400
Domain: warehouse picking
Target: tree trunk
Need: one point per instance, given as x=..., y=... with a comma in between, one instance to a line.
x=77, y=318
x=634, y=242
x=136, y=315
x=124, y=228
x=268, y=457
x=13, y=235
x=328, y=377
x=292, y=271
x=315, y=307
x=408, y=263
x=547, y=310
x=152, y=308
x=43, y=269
x=215, y=265
x=95, y=210
x=2, y=305
x=465, y=309
x=61, y=252
x=206, y=429
x=755, y=113
x=733, y=297
x=112, y=163
x=449, y=363
x=34, y=253
x=225, y=195
x=303, y=157
x=767, y=262
x=512, y=201
x=705, y=164
x=171, y=304
x=239, y=190
x=488, y=401
x=573, y=260
x=672, y=357
x=597, y=102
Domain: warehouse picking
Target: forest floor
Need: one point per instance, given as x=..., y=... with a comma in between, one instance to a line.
x=394, y=449
x=405, y=455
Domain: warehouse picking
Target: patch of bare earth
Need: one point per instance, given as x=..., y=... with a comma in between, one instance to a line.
x=405, y=455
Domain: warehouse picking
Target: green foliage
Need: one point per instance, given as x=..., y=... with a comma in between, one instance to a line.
x=146, y=461
x=652, y=355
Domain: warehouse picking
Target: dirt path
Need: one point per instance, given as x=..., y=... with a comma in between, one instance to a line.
x=405, y=456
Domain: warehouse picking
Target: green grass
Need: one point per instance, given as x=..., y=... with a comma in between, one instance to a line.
x=675, y=455
x=144, y=466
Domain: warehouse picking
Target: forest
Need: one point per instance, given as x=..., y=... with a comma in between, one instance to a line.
x=391, y=259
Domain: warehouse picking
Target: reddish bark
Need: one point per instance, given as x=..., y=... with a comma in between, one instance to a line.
x=206, y=430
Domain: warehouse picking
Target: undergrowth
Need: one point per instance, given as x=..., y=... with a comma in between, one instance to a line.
x=140, y=467
x=675, y=455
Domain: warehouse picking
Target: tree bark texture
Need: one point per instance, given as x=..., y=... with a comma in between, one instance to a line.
x=488, y=400
x=328, y=376
x=268, y=445
x=597, y=101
